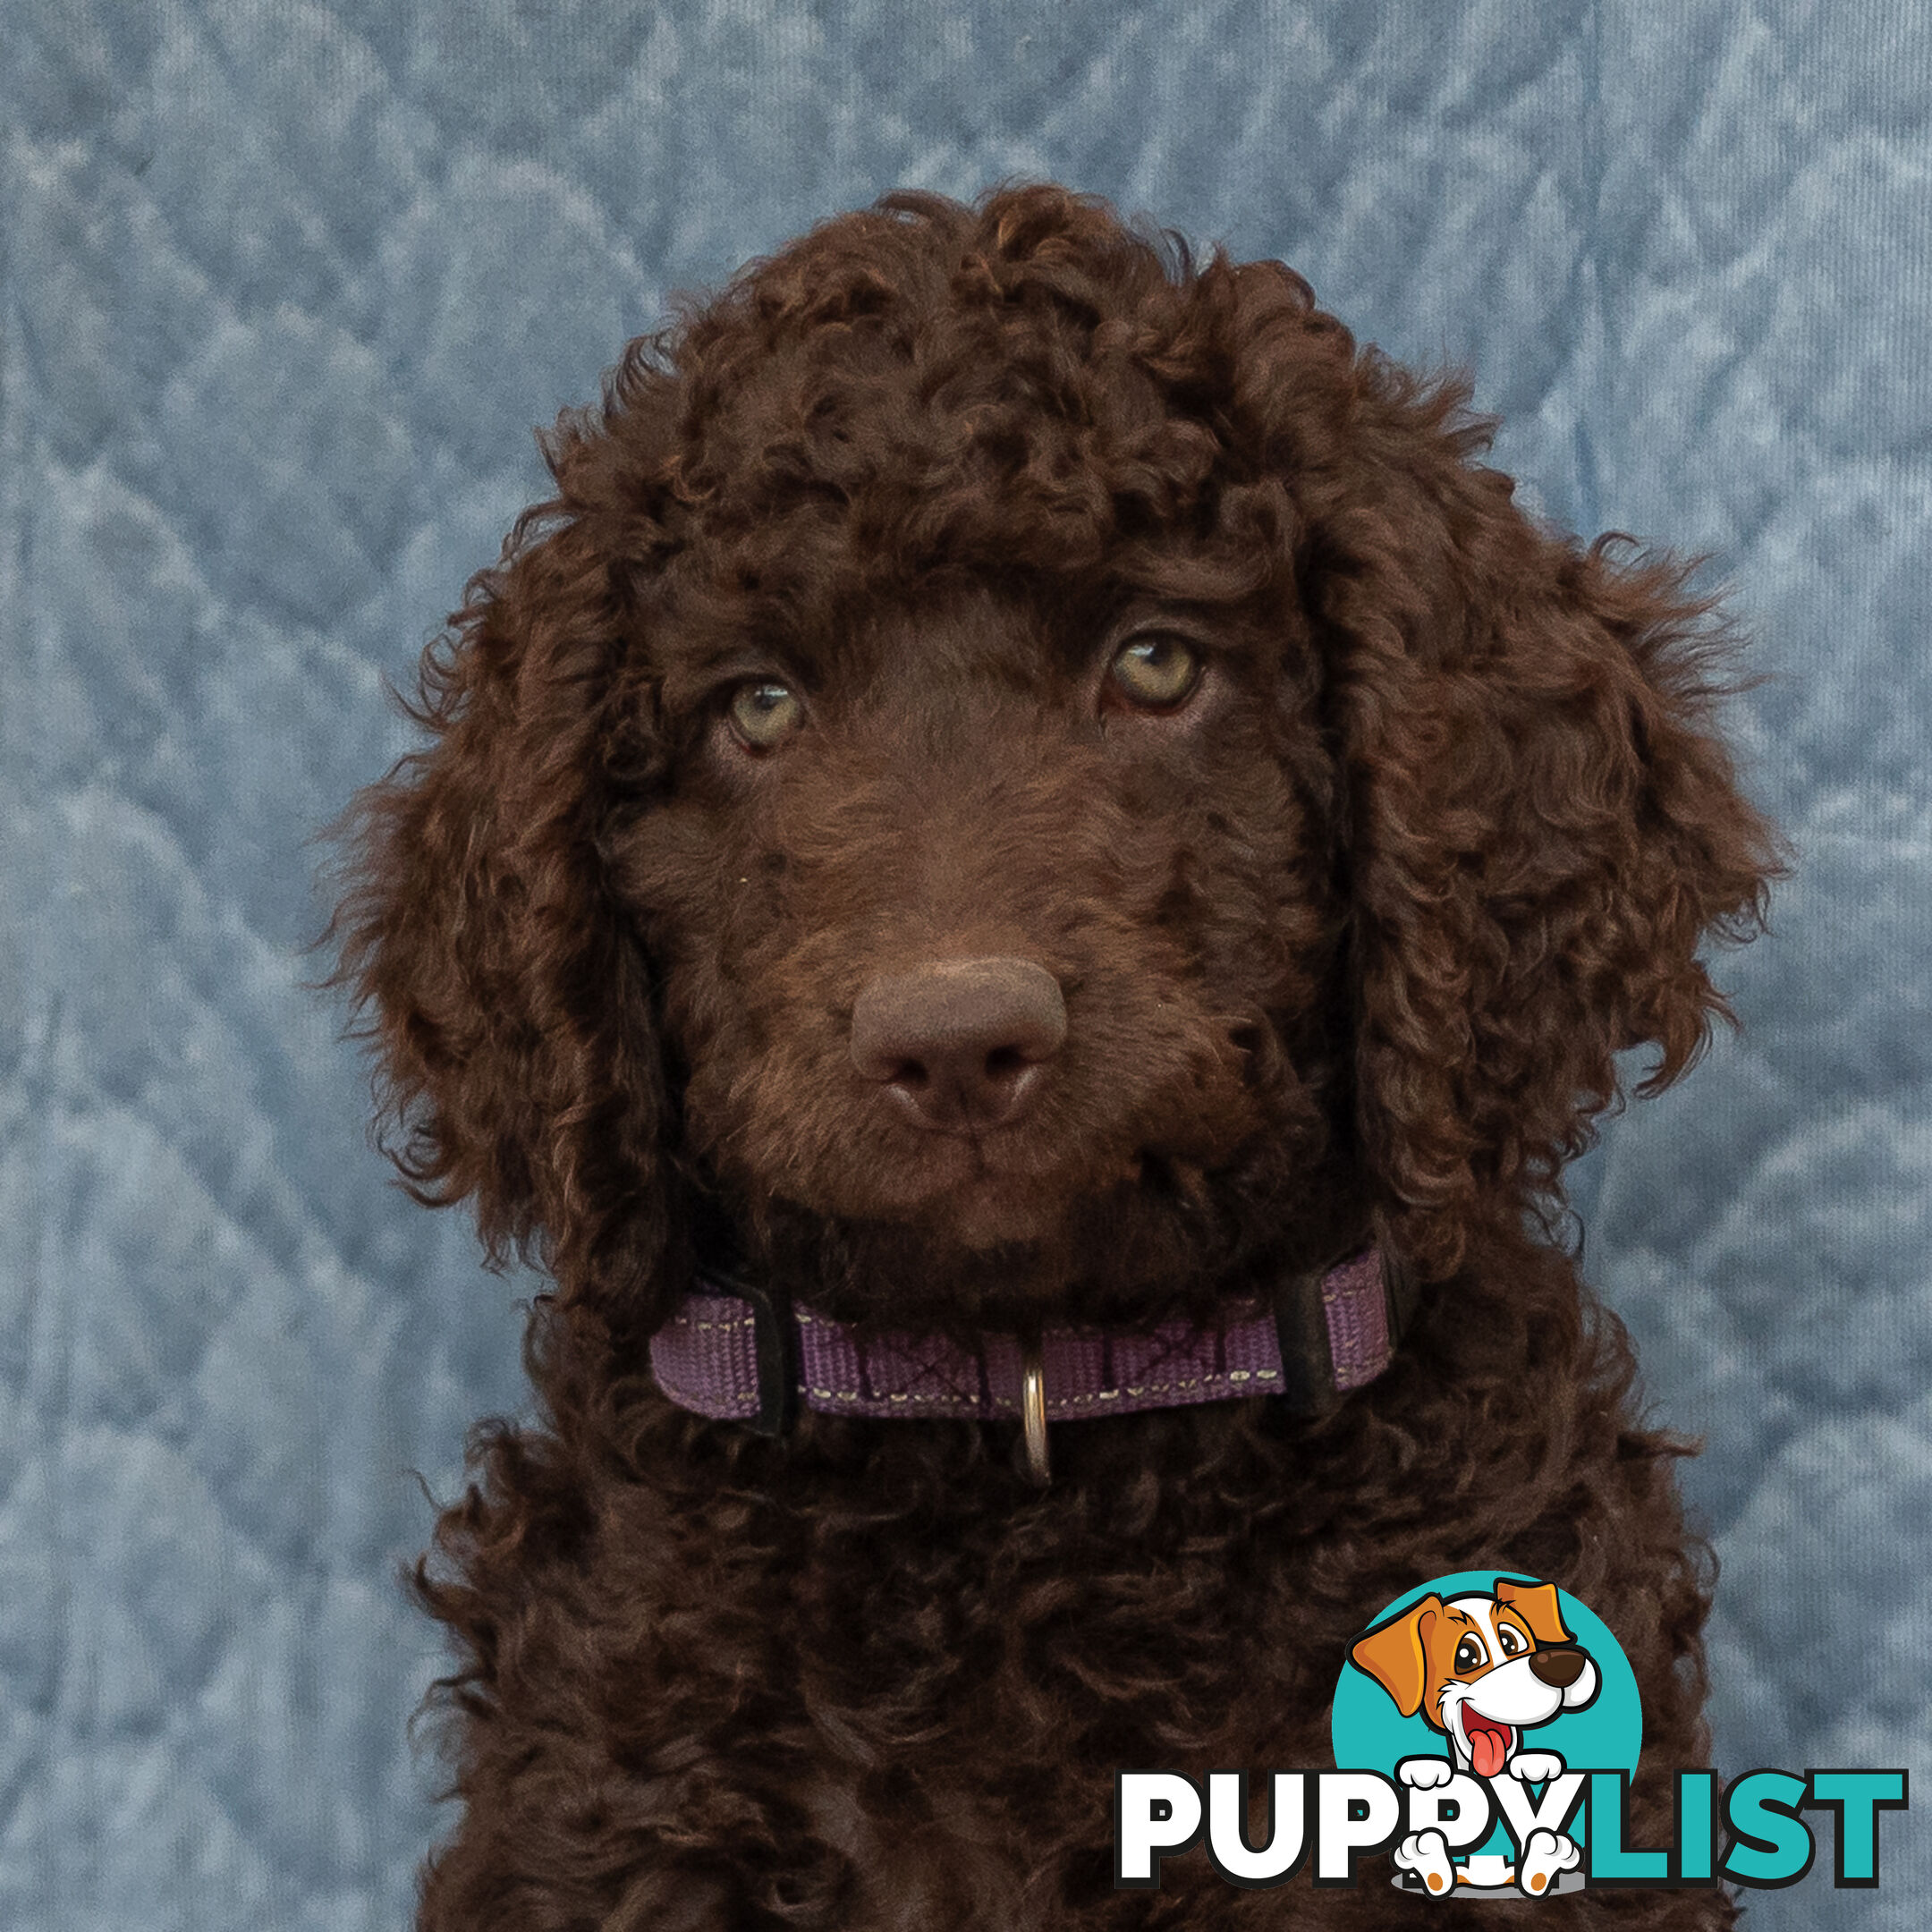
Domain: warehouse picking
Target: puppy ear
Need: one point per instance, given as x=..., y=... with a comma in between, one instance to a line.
x=1540, y=823
x=1536, y=1604
x=506, y=998
x=1393, y=1654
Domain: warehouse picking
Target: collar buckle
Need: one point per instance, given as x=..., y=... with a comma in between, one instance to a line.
x=775, y=1341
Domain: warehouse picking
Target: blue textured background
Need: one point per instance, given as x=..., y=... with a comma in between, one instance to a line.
x=285, y=287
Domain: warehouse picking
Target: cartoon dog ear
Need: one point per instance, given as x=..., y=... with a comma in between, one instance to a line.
x=1538, y=824
x=1536, y=1604
x=1393, y=1654
x=508, y=999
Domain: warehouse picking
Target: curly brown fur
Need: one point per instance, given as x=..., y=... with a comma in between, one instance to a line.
x=1348, y=940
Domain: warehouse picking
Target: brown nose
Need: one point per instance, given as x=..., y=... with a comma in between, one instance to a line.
x=1558, y=1666
x=960, y=1043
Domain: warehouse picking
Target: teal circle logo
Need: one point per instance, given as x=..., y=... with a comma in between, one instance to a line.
x=1503, y=1679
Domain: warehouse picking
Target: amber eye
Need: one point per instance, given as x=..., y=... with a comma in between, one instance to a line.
x=1156, y=672
x=1512, y=1643
x=765, y=713
x=1470, y=1655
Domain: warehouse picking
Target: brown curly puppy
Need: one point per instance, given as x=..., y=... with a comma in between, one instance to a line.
x=995, y=585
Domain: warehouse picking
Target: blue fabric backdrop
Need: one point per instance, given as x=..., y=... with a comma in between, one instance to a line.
x=286, y=285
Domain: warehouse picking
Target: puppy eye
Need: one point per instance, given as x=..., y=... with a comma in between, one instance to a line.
x=1156, y=672
x=764, y=714
x=1511, y=1642
x=1470, y=1654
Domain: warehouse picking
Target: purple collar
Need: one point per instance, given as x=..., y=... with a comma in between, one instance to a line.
x=736, y=1352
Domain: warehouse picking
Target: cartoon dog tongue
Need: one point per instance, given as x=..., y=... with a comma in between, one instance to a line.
x=1488, y=1743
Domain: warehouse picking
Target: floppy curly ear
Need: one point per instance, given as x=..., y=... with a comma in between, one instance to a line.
x=507, y=998
x=1540, y=823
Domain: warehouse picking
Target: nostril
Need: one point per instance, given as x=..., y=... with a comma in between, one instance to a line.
x=961, y=1042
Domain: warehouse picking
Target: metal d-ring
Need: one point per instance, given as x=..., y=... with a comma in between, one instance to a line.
x=1033, y=1412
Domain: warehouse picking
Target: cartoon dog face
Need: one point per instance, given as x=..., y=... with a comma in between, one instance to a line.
x=1481, y=1669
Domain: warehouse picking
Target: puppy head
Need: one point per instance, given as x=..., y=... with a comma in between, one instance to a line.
x=995, y=583
x=1480, y=1669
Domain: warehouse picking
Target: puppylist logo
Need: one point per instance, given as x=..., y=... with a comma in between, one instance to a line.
x=1486, y=1729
